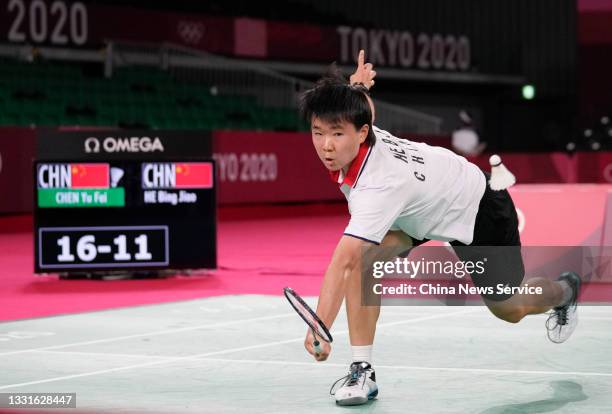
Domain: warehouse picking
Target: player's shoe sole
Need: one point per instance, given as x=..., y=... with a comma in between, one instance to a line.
x=359, y=385
x=358, y=400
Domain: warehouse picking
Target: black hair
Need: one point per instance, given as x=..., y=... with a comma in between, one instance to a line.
x=332, y=99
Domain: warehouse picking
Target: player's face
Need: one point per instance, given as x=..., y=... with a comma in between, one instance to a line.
x=337, y=144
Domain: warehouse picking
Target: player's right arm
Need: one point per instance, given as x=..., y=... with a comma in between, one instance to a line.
x=345, y=263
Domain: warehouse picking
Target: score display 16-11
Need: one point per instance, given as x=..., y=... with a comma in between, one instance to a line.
x=83, y=247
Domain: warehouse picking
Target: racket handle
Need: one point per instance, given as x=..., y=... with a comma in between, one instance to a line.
x=317, y=347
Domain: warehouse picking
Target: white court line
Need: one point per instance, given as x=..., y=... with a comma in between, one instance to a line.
x=108, y=354
x=146, y=334
x=415, y=368
x=172, y=358
x=328, y=364
x=225, y=351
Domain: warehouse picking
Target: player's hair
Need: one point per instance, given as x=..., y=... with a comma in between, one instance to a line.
x=332, y=99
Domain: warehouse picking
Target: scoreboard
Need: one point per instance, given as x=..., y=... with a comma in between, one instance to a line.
x=143, y=201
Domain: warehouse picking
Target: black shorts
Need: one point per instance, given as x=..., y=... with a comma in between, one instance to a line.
x=497, y=242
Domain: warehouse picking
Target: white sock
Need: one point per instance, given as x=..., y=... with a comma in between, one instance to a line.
x=362, y=353
x=567, y=292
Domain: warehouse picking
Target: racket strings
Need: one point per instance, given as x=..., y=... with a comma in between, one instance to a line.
x=308, y=315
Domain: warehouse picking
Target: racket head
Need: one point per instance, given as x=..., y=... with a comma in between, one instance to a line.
x=308, y=315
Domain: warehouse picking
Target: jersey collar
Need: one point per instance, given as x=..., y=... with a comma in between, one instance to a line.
x=354, y=169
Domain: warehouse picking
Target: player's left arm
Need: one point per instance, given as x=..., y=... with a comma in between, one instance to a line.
x=364, y=73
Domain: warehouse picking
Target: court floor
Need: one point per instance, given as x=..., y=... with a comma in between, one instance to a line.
x=244, y=354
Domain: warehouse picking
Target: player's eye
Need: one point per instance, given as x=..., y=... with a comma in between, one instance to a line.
x=338, y=134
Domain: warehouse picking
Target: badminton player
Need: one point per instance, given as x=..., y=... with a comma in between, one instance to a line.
x=401, y=193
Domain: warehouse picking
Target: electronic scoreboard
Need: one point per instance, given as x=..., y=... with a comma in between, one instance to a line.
x=137, y=200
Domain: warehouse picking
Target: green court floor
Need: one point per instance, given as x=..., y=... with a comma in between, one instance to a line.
x=244, y=354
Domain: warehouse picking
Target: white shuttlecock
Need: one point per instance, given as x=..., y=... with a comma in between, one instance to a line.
x=501, y=177
x=115, y=175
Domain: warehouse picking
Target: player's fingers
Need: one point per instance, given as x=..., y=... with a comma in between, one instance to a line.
x=309, y=348
x=361, y=58
x=368, y=66
x=373, y=74
x=324, y=354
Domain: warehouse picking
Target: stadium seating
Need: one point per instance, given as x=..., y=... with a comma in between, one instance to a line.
x=52, y=94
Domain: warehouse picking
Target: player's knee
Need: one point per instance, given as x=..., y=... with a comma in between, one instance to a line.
x=511, y=314
x=512, y=317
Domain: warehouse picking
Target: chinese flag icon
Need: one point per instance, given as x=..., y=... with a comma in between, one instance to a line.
x=89, y=175
x=194, y=175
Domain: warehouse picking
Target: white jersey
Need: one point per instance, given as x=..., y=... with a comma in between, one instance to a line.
x=426, y=192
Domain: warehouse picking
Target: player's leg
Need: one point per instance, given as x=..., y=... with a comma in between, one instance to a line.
x=497, y=227
x=504, y=268
x=522, y=304
x=560, y=295
x=359, y=385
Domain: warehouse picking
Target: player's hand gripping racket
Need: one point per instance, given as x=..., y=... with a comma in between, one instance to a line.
x=310, y=317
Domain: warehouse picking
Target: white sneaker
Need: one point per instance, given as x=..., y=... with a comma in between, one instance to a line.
x=564, y=319
x=359, y=385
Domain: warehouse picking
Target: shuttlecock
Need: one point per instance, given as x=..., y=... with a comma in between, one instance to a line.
x=501, y=177
x=115, y=176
